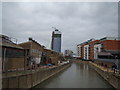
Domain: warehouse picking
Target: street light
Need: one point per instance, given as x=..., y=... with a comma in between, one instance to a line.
x=117, y=62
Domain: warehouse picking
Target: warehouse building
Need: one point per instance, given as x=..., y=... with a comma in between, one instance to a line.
x=13, y=56
x=34, y=52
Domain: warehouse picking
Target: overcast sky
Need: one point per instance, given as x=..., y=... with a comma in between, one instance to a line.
x=77, y=21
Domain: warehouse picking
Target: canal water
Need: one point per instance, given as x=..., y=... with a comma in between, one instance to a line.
x=78, y=75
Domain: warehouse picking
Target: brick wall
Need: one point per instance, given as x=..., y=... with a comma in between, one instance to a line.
x=82, y=51
x=32, y=46
x=91, y=44
x=111, y=44
x=14, y=63
x=32, y=79
x=53, y=55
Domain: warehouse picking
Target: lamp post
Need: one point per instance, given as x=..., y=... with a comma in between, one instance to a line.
x=117, y=62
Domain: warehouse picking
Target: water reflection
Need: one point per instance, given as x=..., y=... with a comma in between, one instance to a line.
x=79, y=75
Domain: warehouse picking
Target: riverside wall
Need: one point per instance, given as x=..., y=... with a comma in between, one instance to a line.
x=31, y=80
x=112, y=78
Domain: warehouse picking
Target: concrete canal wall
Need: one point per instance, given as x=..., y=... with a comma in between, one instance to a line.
x=31, y=80
x=113, y=79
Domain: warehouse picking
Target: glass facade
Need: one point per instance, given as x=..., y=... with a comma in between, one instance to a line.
x=56, y=41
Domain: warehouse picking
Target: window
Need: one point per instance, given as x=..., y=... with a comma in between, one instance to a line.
x=13, y=53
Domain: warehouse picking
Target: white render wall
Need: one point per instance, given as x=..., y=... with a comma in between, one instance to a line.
x=68, y=53
x=86, y=52
x=97, y=48
x=79, y=50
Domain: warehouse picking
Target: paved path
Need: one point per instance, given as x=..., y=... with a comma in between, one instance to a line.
x=104, y=69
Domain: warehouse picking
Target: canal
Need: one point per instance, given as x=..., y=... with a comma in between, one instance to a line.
x=78, y=75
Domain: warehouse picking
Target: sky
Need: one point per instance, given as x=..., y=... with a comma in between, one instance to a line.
x=78, y=21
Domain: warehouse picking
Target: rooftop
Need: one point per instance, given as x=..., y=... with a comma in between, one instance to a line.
x=6, y=41
x=110, y=38
x=31, y=40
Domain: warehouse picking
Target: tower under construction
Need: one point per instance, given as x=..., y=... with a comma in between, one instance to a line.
x=56, y=40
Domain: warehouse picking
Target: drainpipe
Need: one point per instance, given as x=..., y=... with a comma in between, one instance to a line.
x=30, y=55
x=4, y=60
x=25, y=59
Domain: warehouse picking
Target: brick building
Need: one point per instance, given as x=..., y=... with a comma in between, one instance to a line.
x=37, y=55
x=80, y=50
x=109, y=46
x=34, y=52
x=53, y=56
x=91, y=49
x=85, y=50
x=26, y=55
x=105, y=51
x=13, y=56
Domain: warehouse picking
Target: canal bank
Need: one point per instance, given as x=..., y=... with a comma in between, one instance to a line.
x=113, y=79
x=78, y=75
x=31, y=79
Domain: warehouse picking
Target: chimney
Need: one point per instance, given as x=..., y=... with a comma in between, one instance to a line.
x=30, y=39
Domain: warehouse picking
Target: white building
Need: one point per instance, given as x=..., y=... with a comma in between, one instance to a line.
x=86, y=52
x=68, y=53
x=97, y=49
x=78, y=50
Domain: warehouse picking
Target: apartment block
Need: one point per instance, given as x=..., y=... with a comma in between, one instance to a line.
x=86, y=52
x=79, y=50
x=92, y=48
x=97, y=49
x=110, y=47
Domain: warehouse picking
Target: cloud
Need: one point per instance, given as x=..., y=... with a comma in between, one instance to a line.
x=78, y=21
